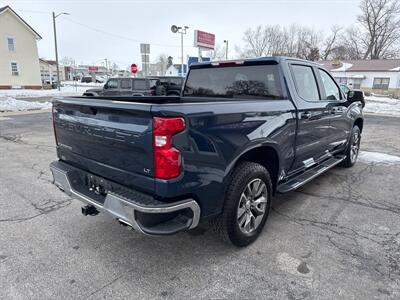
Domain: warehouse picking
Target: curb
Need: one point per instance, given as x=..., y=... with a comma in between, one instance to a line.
x=381, y=115
x=24, y=112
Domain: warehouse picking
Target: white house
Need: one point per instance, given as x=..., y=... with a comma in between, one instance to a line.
x=175, y=70
x=48, y=71
x=19, y=60
x=172, y=71
x=380, y=76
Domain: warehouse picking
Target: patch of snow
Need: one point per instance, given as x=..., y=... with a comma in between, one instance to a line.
x=12, y=104
x=377, y=157
x=357, y=76
x=78, y=83
x=395, y=69
x=382, y=105
x=26, y=93
x=343, y=68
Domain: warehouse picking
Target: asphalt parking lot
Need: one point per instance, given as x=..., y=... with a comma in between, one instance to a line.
x=338, y=237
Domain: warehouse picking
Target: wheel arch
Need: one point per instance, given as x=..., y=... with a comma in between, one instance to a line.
x=360, y=123
x=266, y=155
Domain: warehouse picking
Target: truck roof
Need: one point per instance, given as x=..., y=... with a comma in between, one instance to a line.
x=276, y=59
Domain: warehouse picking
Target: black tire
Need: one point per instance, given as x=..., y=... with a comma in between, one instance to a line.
x=351, y=157
x=227, y=224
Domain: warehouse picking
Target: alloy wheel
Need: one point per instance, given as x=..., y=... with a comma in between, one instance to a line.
x=252, y=206
x=355, y=146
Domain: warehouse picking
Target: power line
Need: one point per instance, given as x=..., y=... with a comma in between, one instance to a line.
x=118, y=35
x=34, y=11
x=103, y=31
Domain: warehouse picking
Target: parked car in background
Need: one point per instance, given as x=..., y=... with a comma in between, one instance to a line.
x=86, y=79
x=240, y=132
x=125, y=86
x=97, y=78
x=128, y=86
x=100, y=78
x=172, y=84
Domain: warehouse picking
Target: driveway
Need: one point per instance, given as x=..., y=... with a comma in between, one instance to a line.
x=338, y=237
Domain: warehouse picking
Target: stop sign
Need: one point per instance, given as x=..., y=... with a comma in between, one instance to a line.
x=134, y=68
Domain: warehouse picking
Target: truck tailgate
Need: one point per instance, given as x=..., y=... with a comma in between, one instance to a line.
x=112, y=139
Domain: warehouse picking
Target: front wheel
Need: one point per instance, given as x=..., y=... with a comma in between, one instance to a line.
x=247, y=204
x=353, y=147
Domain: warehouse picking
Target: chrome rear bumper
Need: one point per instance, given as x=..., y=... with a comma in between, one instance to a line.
x=125, y=208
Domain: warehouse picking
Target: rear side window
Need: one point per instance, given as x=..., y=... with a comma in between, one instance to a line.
x=238, y=82
x=140, y=85
x=306, y=84
x=112, y=84
x=126, y=84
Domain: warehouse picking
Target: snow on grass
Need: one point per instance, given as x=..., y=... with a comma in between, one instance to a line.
x=25, y=93
x=377, y=157
x=85, y=84
x=12, y=104
x=382, y=105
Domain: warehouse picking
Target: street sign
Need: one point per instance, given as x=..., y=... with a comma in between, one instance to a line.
x=204, y=39
x=145, y=52
x=134, y=68
x=144, y=48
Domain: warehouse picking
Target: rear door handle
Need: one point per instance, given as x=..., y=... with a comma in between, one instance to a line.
x=305, y=115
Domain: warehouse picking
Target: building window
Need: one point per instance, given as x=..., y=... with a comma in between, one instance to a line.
x=357, y=84
x=14, y=69
x=381, y=83
x=11, y=44
x=342, y=80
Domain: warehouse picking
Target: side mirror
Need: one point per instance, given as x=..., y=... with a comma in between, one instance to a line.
x=356, y=96
x=105, y=86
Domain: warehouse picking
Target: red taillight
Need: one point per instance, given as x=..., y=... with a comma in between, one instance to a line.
x=54, y=123
x=167, y=159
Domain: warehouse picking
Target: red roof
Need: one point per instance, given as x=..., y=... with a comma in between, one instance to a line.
x=363, y=65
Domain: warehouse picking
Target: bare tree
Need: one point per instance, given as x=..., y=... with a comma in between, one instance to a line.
x=331, y=42
x=299, y=41
x=217, y=54
x=162, y=60
x=380, y=22
x=67, y=61
x=255, y=42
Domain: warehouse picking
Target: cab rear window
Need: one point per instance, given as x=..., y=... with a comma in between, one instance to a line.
x=237, y=82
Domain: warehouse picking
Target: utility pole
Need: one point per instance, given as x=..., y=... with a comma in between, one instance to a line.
x=106, y=66
x=182, y=31
x=55, y=46
x=226, y=49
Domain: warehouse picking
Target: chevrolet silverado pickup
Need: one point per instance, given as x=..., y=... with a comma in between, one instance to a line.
x=240, y=132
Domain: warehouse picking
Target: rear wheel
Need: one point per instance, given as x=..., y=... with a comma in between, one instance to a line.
x=352, y=148
x=247, y=204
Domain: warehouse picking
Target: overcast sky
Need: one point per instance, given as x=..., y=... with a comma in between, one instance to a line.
x=98, y=29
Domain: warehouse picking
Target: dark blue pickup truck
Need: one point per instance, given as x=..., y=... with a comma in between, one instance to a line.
x=240, y=132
